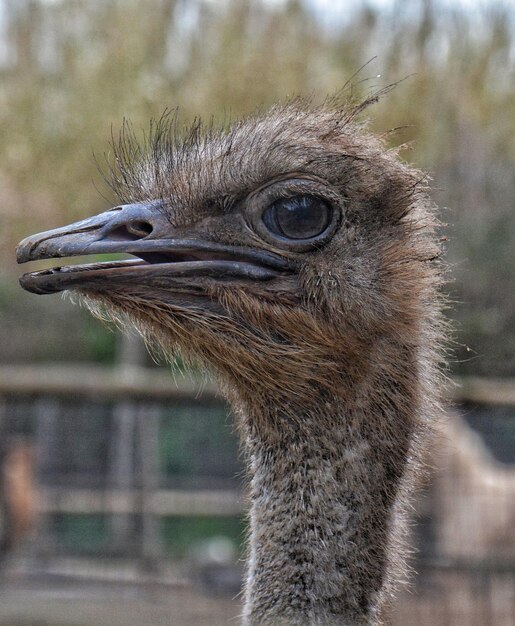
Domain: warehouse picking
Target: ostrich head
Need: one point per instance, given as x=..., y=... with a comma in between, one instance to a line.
x=293, y=239
x=292, y=253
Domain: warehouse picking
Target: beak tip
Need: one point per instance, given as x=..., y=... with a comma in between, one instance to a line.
x=23, y=282
x=22, y=252
x=28, y=249
x=27, y=284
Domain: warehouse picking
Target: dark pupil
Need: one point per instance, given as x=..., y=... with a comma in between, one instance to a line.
x=300, y=217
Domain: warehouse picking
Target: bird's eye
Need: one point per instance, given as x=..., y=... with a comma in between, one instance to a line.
x=298, y=217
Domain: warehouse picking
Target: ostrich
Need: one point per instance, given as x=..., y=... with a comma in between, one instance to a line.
x=295, y=256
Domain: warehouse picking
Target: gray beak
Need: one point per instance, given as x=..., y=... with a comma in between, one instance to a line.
x=163, y=258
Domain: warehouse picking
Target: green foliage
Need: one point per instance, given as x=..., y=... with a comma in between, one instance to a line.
x=196, y=443
x=74, y=69
x=40, y=329
x=182, y=534
x=99, y=339
x=83, y=533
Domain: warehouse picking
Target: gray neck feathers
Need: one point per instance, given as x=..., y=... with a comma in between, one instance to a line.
x=328, y=485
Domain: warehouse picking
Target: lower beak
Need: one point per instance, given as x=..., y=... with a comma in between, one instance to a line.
x=163, y=258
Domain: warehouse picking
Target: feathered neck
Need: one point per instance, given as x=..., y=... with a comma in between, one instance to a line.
x=329, y=482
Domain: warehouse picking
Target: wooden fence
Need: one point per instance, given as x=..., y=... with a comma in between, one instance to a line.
x=136, y=394
x=63, y=411
x=159, y=384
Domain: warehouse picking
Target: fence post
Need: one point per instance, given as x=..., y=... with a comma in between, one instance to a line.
x=148, y=447
x=46, y=412
x=121, y=472
x=3, y=503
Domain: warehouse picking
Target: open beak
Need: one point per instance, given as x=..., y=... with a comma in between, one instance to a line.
x=163, y=258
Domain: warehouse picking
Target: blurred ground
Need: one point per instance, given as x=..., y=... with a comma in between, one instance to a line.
x=45, y=601
x=446, y=598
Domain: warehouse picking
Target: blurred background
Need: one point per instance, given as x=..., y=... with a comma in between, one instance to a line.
x=120, y=489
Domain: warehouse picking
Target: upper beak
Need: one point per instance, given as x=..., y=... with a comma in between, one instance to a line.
x=112, y=231
x=164, y=257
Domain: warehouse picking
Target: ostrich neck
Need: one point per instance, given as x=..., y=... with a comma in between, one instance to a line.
x=326, y=485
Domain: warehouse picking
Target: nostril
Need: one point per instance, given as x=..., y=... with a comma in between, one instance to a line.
x=139, y=229
x=131, y=231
